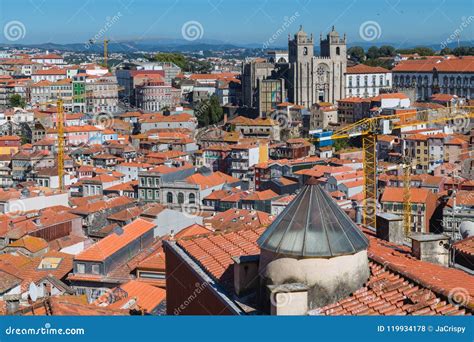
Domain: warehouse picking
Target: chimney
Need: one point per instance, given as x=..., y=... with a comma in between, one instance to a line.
x=12, y=303
x=288, y=299
x=245, y=273
x=390, y=228
x=225, y=118
x=432, y=248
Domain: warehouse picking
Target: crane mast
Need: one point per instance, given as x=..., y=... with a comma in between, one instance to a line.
x=60, y=119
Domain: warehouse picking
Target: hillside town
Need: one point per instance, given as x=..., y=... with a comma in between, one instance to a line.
x=290, y=183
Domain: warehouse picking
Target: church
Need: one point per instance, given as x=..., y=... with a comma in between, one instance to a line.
x=297, y=75
x=311, y=78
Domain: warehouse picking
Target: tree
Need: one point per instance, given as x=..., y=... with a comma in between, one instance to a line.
x=386, y=51
x=356, y=53
x=424, y=51
x=340, y=144
x=463, y=51
x=373, y=52
x=175, y=58
x=445, y=51
x=17, y=101
x=384, y=63
x=209, y=112
x=420, y=50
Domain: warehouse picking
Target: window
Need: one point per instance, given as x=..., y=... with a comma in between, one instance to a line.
x=180, y=198
x=338, y=51
x=169, y=197
x=95, y=269
x=192, y=198
x=81, y=268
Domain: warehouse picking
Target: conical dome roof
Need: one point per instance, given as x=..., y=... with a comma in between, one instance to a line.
x=313, y=225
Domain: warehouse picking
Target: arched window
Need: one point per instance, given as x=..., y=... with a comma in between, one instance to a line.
x=192, y=198
x=338, y=51
x=169, y=197
x=180, y=198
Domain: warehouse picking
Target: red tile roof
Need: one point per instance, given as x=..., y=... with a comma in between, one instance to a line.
x=114, y=242
x=465, y=246
x=192, y=230
x=95, y=206
x=239, y=218
x=215, y=252
x=418, y=195
x=261, y=195
x=460, y=64
x=399, y=284
x=387, y=293
x=366, y=69
x=155, y=262
x=212, y=180
x=399, y=96
x=147, y=297
x=30, y=243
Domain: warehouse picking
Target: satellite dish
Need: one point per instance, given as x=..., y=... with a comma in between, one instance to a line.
x=33, y=291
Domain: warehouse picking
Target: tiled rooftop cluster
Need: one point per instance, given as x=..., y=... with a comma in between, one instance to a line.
x=160, y=163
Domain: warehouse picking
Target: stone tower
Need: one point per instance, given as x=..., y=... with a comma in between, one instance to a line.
x=300, y=56
x=335, y=48
x=301, y=48
x=313, y=79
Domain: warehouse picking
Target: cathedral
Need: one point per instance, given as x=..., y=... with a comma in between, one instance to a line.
x=313, y=79
x=297, y=75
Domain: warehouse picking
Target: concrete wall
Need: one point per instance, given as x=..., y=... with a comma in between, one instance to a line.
x=329, y=280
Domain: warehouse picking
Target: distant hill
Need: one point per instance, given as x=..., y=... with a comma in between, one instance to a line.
x=181, y=45
x=133, y=46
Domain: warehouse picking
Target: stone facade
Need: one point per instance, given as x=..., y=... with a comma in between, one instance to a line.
x=312, y=78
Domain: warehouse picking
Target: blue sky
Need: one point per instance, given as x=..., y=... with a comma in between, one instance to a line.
x=237, y=21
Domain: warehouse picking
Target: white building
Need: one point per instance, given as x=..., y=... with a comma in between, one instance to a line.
x=430, y=76
x=366, y=81
x=52, y=75
x=20, y=203
x=48, y=58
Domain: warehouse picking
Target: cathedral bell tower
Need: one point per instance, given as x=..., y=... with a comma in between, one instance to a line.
x=301, y=48
x=334, y=46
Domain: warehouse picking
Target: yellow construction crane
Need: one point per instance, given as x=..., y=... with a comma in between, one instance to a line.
x=368, y=129
x=407, y=196
x=61, y=144
x=60, y=118
x=106, y=50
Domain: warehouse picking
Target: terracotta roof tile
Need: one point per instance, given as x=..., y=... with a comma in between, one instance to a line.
x=399, y=284
x=114, y=242
x=30, y=243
